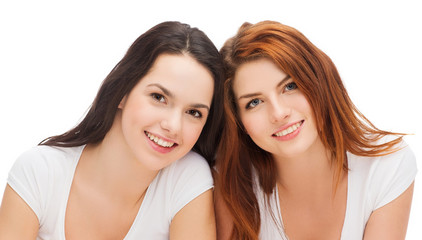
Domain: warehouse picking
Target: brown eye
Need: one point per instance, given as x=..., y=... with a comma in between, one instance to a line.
x=158, y=97
x=194, y=113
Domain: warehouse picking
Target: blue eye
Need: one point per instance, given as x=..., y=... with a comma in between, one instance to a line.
x=253, y=103
x=290, y=86
x=194, y=113
x=158, y=97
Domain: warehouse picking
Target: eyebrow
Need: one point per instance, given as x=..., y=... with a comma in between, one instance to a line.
x=170, y=94
x=200, y=105
x=165, y=90
x=249, y=95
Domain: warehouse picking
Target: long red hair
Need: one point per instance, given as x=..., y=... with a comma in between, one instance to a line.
x=340, y=125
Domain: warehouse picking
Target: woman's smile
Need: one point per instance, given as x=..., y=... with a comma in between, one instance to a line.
x=289, y=132
x=160, y=144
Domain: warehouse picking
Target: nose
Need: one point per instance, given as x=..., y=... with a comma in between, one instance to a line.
x=171, y=123
x=279, y=111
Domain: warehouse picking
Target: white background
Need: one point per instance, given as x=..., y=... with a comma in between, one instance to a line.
x=54, y=55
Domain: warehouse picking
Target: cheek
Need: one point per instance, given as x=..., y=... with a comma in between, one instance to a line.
x=299, y=102
x=132, y=114
x=305, y=107
x=136, y=116
x=191, y=133
x=253, y=124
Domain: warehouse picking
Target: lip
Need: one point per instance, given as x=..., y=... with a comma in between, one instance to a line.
x=290, y=135
x=157, y=147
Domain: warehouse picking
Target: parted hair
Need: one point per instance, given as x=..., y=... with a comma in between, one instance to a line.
x=164, y=38
x=340, y=125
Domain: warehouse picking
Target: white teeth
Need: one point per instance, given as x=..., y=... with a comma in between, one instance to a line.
x=159, y=141
x=288, y=130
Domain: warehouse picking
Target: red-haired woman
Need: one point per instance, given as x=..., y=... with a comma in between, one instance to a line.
x=297, y=159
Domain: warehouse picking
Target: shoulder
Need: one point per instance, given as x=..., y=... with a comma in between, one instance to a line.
x=40, y=173
x=44, y=158
x=382, y=179
x=191, y=169
x=35, y=158
x=191, y=159
x=41, y=166
x=402, y=158
x=44, y=161
x=186, y=179
x=190, y=164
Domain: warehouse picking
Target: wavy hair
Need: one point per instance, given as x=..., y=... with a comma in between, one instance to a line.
x=166, y=37
x=340, y=125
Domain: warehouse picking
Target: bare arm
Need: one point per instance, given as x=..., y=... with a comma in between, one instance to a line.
x=223, y=218
x=17, y=220
x=196, y=220
x=390, y=221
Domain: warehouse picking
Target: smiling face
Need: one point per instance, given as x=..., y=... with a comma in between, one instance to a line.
x=163, y=116
x=274, y=112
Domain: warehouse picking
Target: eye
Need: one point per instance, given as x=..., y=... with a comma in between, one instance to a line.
x=253, y=103
x=158, y=97
x=290, y=86
x=194, y=113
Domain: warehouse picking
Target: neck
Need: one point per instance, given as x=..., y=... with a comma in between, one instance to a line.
x=110, y=168
x=311, y=172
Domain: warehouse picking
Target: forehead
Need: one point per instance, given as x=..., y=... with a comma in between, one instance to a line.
x=178, y=65
x=255, y=75
x=181, y=74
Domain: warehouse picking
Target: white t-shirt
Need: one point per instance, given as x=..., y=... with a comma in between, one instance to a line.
x=43, y=176
x=372, y=183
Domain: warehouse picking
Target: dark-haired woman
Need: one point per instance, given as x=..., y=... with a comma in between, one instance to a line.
x=297, y=160
x=126, y=171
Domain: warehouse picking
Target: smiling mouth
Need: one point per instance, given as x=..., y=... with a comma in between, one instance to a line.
x=160, y=142
x=288, y=130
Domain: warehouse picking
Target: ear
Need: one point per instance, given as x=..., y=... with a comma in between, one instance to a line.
x=122, y=103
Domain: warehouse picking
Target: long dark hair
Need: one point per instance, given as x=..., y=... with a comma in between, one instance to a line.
x=166, y=37
x=340, y=125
